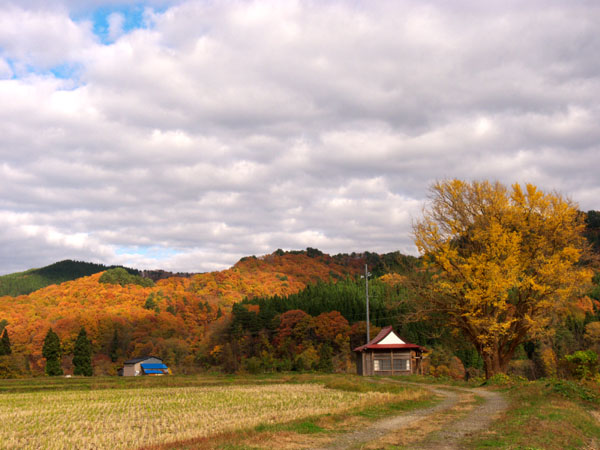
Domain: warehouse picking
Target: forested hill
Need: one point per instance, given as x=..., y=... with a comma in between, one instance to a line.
x=22, y=283
x=592, y=232
x=126, y=315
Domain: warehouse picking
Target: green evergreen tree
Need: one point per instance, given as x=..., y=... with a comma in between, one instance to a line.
x=51, y=351
x=119, y=275
x=150, y=302
x=5, y=344
x=114, y=347
x=82, y=355
x=325, y=358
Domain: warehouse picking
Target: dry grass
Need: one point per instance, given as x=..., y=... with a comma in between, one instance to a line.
x=126, y=418
x=317, y=431
x=548, y=414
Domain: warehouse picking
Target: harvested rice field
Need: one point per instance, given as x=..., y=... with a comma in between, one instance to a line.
x=114, y=418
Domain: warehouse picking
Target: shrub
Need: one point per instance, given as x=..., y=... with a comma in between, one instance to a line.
x=583, y=364
x=523, y=368
x=283, y=365
x=12, y=366
x=307, y=360
x=572, y=390
x=325, y=363
x=253, y=365
x=499, y=379
x=456, y=368
x=103, y=365
x=440, y=371
x=473, y=374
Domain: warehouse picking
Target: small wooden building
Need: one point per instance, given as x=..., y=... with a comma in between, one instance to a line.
x=147, y=365
x=387, y=354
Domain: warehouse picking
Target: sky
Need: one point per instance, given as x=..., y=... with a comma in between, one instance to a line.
x=184, y=135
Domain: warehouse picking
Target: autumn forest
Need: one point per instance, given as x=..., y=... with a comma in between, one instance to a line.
x=305, y=310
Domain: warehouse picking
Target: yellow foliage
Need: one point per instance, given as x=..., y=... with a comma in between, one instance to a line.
x=440, y=371
x=592, y=333
x=548, y=362
x=216, y=351
x=505, y=261
x=393, y=279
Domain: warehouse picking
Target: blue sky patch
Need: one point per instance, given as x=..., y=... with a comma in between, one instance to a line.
x=11, y=65
x=69, y=72
x=66, y=71
x=133, y=18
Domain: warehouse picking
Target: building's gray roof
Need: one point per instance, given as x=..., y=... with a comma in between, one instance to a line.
x=143, y=358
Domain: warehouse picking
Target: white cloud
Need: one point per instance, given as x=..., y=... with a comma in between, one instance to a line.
x=115, y=26
x=5, y=70
x=227, y=129
x=42, y=38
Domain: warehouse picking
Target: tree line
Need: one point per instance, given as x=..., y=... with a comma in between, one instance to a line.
x=505, y=284
x=82, y=354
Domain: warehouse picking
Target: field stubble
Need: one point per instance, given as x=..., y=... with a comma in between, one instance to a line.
x=129, y=418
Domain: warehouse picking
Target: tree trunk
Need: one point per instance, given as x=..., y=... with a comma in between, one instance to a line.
x=495, y=362
x=492, y=365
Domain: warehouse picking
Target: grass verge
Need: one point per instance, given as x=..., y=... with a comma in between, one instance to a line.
x=545, y=414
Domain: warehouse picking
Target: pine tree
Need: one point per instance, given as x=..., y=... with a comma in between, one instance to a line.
x=5, y=344
x=82, y=355
x=325, y=358
x=114, y=347
x=51, y=351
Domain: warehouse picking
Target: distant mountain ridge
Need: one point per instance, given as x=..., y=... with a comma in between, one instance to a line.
x=23, y=283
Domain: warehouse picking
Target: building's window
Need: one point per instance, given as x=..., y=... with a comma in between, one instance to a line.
x=382, y=364
x=402, y=364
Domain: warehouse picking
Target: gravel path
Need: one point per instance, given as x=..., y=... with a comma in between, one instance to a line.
x=387, y=425
x=480, y=418
x=448, y=438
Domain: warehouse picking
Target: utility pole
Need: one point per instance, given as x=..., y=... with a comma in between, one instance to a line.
x=367, y=296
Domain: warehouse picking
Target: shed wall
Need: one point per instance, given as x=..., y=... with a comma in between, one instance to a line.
x=387, y=362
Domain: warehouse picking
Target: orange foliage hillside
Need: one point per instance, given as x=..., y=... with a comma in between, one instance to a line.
x=270, y=275
x=169, y=319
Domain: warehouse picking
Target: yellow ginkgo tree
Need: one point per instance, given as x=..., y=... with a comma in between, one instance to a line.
x=504, y=262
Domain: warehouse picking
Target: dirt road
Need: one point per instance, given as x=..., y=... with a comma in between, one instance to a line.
x=463, y=412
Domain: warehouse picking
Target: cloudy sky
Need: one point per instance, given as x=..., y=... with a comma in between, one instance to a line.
x=185, y=134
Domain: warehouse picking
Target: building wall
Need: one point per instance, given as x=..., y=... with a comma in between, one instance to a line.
x=360, y=363
x=129, y=370
x=386, y=362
